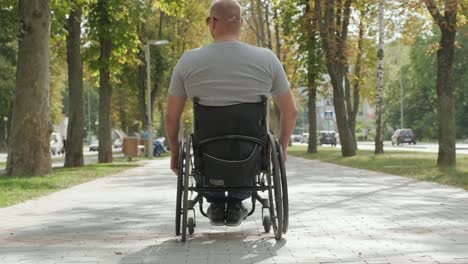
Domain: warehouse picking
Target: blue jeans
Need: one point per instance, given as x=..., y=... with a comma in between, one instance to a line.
x=232, y=196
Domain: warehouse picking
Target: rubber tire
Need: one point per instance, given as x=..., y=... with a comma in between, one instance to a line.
x=266, y=224
x=191, y=225
x=284, y=188
x=186, y=183
x=180, y=176
x=276, y=202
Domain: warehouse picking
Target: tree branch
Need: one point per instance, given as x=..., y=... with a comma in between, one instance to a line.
x=435, y=13
x=346, y=15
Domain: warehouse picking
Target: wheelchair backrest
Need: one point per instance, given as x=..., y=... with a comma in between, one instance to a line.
x=228, y=142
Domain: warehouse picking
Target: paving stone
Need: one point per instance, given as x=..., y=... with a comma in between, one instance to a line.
x=337, y=215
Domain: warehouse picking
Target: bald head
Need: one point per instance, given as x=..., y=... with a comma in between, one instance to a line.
x=228, y=13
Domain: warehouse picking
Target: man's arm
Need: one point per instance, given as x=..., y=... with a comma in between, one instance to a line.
x=175, y=106
x=287, y=107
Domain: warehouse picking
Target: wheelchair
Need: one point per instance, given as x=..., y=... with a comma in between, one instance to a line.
x=230, y=149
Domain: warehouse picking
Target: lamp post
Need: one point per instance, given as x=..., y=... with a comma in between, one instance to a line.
x=5, y=124
x=148, y=80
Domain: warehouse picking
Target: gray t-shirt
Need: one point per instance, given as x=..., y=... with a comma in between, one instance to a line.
x=228, y=73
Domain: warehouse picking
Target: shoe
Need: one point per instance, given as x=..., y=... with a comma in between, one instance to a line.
x=216, y=214
x=235, y=213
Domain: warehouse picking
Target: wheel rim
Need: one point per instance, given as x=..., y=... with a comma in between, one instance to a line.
x=186, y=182
x=180, y=175
x=284, y=188
x=277, y=208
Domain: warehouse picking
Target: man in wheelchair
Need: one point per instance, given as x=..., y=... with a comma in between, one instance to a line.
x=224, y=73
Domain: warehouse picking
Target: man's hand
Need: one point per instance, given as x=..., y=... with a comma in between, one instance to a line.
x=175, y=162
x=284, y=148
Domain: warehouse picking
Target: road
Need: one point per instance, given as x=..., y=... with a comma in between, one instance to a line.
x=57, y=160
x=462, y=148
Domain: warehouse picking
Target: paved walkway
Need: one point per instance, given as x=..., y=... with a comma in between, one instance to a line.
x=338, y=215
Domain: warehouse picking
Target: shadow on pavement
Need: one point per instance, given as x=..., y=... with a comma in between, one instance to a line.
x=209, y=248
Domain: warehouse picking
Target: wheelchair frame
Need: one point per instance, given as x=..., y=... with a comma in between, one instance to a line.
x=271, y=179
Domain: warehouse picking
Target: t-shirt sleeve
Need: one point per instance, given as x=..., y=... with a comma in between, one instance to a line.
x=176, y=87
x=280, y=80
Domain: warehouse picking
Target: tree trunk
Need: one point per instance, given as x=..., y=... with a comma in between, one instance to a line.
x=445, y=56
x=162, y=133
x=380, y=84
x=312, y=75
x=349, y=107
x=261, y=23
x=354, y=106
x=74, y=142
x=267, y=19
x=277, y=34
x=446, y=109
x=105, y=89
x=29, y=149
x=334, y=31
x=337, y=73
x=123, y=111
x=142, y=90
x=253, y=14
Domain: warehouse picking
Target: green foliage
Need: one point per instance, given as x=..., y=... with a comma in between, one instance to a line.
x=124, y=16
x=8, y=21
x=419, y=71
x=8, y=50
x=294, y=24
x=15, y=190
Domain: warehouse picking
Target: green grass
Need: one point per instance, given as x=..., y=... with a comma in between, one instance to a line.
x=15, y=190
x=416, y=165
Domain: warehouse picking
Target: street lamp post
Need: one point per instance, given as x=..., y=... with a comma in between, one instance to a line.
x=5, y=124
x=148, y=81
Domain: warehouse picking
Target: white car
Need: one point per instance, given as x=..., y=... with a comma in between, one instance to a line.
x=56, y=143
x=94, y=146
x=117, y=143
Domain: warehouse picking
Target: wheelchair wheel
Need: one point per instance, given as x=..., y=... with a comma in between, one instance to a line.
x=284, y=187
x=186, y=183
x=266, y=224
x=274, y=192
x=191, y=225
x=180, y=176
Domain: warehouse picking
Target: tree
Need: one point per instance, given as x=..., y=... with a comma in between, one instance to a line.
x=445, y=56
x=313, y=72
x=380, y=84
x=74, y=143
x=105, y=88
x=31, y=113
x=333, y=23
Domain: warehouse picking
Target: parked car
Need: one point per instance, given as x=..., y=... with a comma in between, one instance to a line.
x=56, y=143
x=327, y=137
x=94, y=146
x=404, y=135
x=305, y=138
x=117, y=143
x=295, y=138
